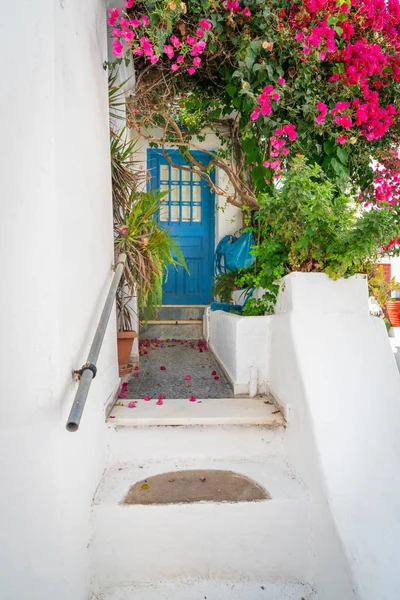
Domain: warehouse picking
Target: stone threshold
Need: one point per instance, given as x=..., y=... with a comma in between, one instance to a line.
x=210, y=411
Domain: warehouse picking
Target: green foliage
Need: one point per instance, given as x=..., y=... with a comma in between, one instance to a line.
x=224, y=285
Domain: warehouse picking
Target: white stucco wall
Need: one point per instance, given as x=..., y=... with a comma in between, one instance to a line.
x=56, y=246
x=332, y=364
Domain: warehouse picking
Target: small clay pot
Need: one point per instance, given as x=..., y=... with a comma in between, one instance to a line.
x=125, y=342
x=393, y=312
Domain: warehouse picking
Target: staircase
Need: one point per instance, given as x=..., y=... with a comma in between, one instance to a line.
x=175, y=321
x=195, y=549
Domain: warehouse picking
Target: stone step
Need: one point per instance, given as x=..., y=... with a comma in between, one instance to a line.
x=192, y=442
x=172, y=330
x=231, y=541
x=180, y=313
x=209, y=411
x=211, y=590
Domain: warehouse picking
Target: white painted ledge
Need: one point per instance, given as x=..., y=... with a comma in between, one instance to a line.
x=219, y=411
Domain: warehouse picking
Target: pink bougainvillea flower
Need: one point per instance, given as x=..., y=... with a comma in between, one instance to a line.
x=169, y=51
x=199, y=32
x=175, y=41
x=334, y=77
x=136, y=374
x=246, y=12
x=153, y=59
x=114, y=14
x=276, y=96
x=299, y=36
x=205, y=24
x=122, y=395
x=213, y=372
x=117, y=48
x=129, y=3
x=180, y=59
x=192, y=399
x=160, y=401
x=281, y=81
x=322, y=55
x=191, y=71
x=174, y=67
x=135, y=22
x=255, y=114
x=128, y=35
x=196, y=61
x=275, y=164
x=266, y=164
x=147, y=398
x=163, y=368
x=161, y=397
x=342, y=139
x=116, y=32
x=145, y=20
x=123, y=23
x=344, y=121
x=279, y=131
x=191, y=40
x=290, y=131
x=285, y=151
x=187, y=377
x=132, y=405
x=198, y=48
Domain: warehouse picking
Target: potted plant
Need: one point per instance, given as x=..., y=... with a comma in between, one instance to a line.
x=393, y=305
x=386, y=293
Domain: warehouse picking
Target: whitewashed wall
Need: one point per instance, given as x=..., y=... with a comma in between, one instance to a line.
x=56, y=249
x=332, y=364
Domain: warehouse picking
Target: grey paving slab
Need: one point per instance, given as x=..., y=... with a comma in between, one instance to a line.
x=181, y=359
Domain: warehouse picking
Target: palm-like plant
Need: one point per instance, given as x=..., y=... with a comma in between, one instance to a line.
x=149, y=249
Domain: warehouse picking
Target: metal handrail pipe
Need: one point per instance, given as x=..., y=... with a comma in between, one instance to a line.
x=88, y=371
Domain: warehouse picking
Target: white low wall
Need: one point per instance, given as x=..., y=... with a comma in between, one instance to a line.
x=330, y=365
x=242, y=345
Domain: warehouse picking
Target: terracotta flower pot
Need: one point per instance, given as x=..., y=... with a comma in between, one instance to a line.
x=393, y=312
x=125, y=341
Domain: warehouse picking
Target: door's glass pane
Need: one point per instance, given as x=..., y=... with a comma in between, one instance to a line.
x=196, y=212
x=164, y=213
x=164, y=172
x=174, y=212
x=196, y=178
x=196, y=193
x=185, y=212
x=164, y=188
x=185, y=193
x=185, y=175
x=175, y=174
x=175, y=193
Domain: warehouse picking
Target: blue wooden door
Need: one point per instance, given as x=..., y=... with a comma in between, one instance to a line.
x=188, y=212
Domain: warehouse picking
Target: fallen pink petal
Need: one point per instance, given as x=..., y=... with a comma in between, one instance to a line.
x=216, y=378
x=213, y=372
x=192, y=399
x=188, y=378
x=147, y=398
x=132, y=405
x=161, y=397
x=163, y=368
x=160, y=402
